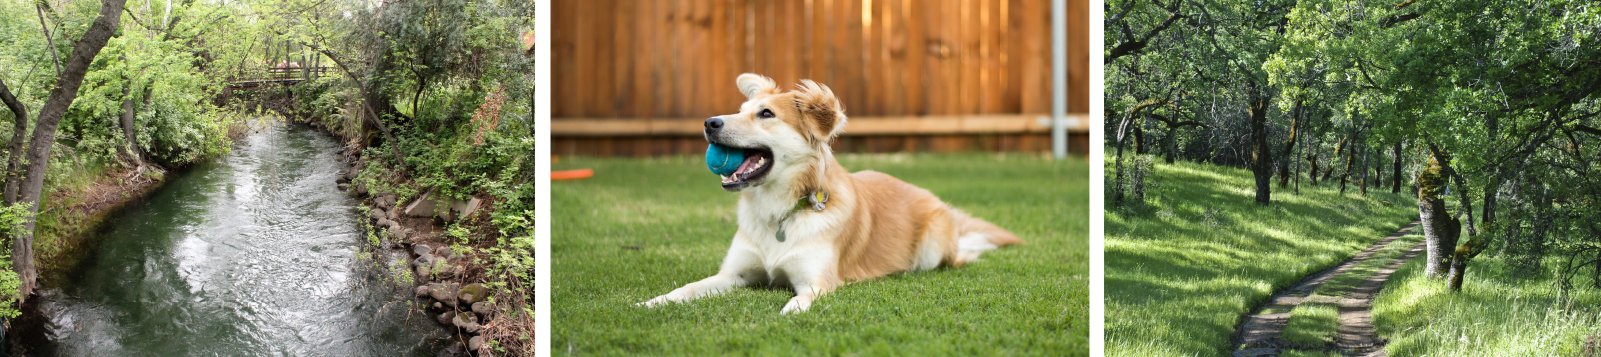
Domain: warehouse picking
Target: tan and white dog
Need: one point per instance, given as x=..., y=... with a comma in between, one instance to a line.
x=805, y=222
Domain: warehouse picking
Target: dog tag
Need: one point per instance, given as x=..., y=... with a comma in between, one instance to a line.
x=781, y=233
x=817, y=199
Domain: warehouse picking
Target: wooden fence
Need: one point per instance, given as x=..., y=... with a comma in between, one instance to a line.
x=928, y=75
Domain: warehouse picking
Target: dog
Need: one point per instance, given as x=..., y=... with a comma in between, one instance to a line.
x=807, y=223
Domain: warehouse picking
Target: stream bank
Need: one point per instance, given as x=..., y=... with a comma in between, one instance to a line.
x=444, y=244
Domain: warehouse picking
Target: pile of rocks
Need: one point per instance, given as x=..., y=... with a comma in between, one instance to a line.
x=436, y=271
x=460, y=307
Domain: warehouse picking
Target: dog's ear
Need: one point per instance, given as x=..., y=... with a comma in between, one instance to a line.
x=824, y=115
x=754, y=85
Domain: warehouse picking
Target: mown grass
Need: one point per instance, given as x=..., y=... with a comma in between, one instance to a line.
x=643, y=227
x=1495, y=314
x=1179, y=279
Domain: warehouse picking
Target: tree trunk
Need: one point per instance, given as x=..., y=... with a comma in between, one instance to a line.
x=1297, y=169
x=1289, y=145
x=1311, y=159
x=128, y=133
x=1140, y=148
x=1367, y=157
x=1395, y=183
x=1378, y=169
x=1491, y=190
x=370, y=102
x=1261, y=153
x=44, y=134
x=54, y=56
x=1345, y=176
x=1440, y=230
x=1329, y=171
x=1171, y=141
x=13, y=174
x=1117, y=180
x=1459, y=266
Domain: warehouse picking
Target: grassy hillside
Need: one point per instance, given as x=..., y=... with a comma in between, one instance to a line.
x=1493, y=315
x=643, y=227
x=1183, y=267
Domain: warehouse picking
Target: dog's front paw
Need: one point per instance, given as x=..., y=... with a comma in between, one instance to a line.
x=674, y=296
x=796, y=304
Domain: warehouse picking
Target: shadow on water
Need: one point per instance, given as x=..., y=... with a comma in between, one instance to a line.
x=255, y=253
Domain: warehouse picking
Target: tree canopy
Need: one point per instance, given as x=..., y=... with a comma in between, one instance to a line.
x=1501, y=94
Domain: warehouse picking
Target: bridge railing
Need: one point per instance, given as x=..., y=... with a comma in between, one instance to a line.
x=279, y=75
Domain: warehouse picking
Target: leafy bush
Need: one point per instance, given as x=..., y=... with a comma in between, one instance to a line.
x=11, y=218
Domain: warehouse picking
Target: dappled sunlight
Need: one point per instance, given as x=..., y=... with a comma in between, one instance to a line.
x=1312, y=324
x=1489, y=317
x=1183, y=268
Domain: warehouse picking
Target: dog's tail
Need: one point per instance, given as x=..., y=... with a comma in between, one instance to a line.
x=976, y=236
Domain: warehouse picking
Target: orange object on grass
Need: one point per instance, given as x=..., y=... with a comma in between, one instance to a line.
x=572, y=174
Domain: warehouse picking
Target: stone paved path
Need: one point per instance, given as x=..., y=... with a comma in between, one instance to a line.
x=1258, y=335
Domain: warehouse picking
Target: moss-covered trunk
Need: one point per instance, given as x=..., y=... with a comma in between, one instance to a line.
x=1261, y=153
x=1440, y=230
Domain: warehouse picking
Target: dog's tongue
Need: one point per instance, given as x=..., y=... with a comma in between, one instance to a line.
x=749, y=164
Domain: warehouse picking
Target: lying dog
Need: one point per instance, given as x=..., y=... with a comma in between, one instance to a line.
x=805, y=222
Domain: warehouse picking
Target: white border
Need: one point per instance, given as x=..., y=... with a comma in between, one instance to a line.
x=542, y=177
x=1097, y=180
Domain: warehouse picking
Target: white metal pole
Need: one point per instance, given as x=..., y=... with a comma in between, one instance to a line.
x=1059, y=79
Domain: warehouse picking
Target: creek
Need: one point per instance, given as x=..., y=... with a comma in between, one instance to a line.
x=256, y=253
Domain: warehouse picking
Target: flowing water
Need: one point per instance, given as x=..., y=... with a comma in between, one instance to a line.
x=254, y=254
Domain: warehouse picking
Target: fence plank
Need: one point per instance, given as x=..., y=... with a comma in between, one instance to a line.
x=644, y=61
x=1078, y=59
x=899, y=125
x=884, y=58
x=563, y=65
x=622, y=95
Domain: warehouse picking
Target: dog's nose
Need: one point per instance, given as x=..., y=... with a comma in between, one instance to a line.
x=714, y=124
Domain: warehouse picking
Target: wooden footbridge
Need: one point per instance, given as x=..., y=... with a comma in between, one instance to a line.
x=281, y=75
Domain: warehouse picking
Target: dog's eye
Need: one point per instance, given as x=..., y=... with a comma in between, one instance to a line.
x=765, y=113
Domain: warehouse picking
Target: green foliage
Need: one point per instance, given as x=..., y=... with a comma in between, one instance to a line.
x=512, y=255
x=11, y=218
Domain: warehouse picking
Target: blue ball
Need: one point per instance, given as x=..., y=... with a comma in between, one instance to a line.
x=723, y=160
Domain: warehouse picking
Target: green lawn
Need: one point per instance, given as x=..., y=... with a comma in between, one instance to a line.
x=643, y=227
x=1179, y=279
x=1493, y=315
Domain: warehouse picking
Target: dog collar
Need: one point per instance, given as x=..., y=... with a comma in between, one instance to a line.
x=815, y=200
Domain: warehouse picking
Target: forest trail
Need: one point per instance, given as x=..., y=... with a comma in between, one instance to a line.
x=1259, y=334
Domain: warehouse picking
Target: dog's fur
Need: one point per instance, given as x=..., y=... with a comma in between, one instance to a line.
x=872, y=224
